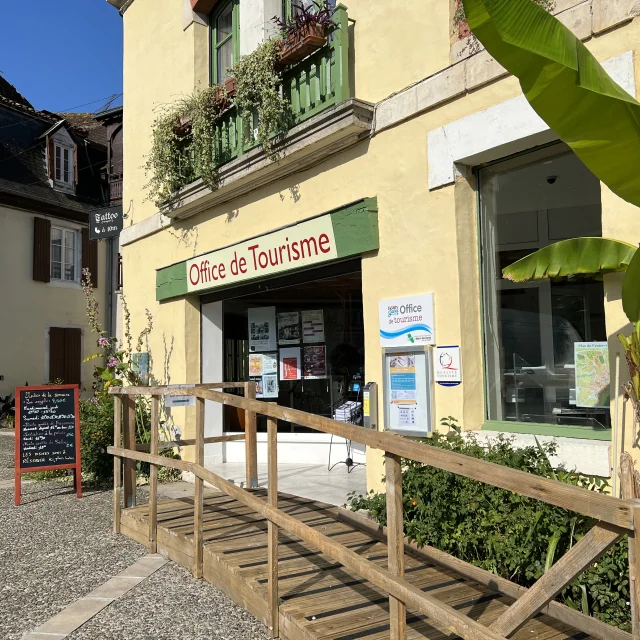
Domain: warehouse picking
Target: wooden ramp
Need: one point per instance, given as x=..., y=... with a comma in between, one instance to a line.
x=319, y=598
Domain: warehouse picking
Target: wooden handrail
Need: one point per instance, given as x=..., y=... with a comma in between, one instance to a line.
x=615, y=517
x=447, y=617
x=595, y=505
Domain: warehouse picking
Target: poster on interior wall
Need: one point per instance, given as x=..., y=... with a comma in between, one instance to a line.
x=255, y=365
x=262, y=329
x=592, y=374
x=269, y=364
x=289, y=328
x=313, y=326
x=290, y=364
x=270, y=386
x=315, y=362
x=259, y=386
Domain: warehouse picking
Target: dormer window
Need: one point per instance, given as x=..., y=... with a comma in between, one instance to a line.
x=63, y=164
x=62, y=158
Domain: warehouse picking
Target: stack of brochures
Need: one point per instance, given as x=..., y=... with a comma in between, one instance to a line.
x=350, y=411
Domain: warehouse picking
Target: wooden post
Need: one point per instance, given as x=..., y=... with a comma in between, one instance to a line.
x=628, y=491
x=251, y=439
x=198, y=544
x=117, y=463
x=395, y=544
x=272, y=530
x=153, y=477
x=129, y=442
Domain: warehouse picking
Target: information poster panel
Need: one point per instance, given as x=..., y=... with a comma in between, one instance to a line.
x=262, y=329
x=290, y=365
x=408, y=391
x=593, y=380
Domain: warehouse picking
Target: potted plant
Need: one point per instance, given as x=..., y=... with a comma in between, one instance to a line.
x=230, y=86
x=305, y=32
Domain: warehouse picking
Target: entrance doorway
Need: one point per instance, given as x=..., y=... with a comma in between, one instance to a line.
x=300, y=338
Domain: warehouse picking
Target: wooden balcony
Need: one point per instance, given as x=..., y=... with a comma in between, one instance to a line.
x=326, y=120
x=115, y=188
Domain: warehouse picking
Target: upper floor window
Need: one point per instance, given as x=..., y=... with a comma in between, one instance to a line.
x=64, y=254
x=63, y=164
x=225, y=41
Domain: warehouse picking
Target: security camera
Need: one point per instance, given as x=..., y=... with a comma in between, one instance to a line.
x=551, y=179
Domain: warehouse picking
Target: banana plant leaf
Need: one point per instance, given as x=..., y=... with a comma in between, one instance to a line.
x=578, y=256
x=631, y=292
x=566, y=86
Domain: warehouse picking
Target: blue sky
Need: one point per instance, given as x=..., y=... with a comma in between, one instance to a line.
x=60, y=54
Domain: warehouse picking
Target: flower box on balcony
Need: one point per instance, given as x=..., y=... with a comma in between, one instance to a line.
x=302, y=43
x=230, y=86
x=183, y=125
x=203, y=6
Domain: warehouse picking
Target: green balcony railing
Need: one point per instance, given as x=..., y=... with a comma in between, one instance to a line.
x=311, y=86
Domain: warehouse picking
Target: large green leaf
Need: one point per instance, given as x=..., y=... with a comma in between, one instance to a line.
x=631, y=292
x=578, y=256
x=566, y=86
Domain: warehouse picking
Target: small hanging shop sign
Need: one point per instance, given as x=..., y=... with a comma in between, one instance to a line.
x=105, y=223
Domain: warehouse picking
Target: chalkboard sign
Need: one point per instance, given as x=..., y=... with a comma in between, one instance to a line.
x=47, y=431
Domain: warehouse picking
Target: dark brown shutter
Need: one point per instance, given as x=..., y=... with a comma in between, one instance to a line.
x=72, y=356
x=56, y=354
x=90, y=257
x=51, y=166
x=75, y=164
x=42, y=250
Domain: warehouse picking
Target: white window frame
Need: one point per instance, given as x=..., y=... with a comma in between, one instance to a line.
x=77, y=257
x=58, y=153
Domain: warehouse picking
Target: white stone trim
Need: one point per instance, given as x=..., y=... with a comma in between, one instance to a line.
x=501, y=130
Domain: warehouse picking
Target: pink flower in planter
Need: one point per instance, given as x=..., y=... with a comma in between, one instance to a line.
x=113, y=361
x=103, y=342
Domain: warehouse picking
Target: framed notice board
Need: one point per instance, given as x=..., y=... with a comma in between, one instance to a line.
x=408, y=390
x=47, y=432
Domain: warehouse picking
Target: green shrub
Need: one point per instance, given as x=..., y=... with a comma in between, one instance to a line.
x=96, y=434
x=507, y=534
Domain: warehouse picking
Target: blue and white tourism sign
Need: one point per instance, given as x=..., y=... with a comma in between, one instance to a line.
x=447, y=366
x=407, y=322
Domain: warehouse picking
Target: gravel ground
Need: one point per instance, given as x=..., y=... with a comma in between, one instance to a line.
x=171, y=605
x=55, y=548
x=6, y=454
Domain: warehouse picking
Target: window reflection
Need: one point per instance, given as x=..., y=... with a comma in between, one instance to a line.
x=533, y=330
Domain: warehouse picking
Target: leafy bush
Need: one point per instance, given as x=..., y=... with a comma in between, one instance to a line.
x=512, y=536
x=96, y=434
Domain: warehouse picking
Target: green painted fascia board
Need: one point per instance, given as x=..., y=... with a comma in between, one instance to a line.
x=539, y=429
x=356, y=228
x=171, y=281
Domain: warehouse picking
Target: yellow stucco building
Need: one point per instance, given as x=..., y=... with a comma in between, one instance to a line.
x=416, y=167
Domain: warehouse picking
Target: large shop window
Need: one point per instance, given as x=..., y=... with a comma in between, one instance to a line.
x=302, y=344
x=545, y=342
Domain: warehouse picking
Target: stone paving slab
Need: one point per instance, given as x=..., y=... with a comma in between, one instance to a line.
x=81, y=611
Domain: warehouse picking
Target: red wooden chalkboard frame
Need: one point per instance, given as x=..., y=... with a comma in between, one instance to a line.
x=76, y=466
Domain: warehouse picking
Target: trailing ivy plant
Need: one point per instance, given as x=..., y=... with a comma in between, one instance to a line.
x=258, y=96
x=178, y=157
x=164, y=165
